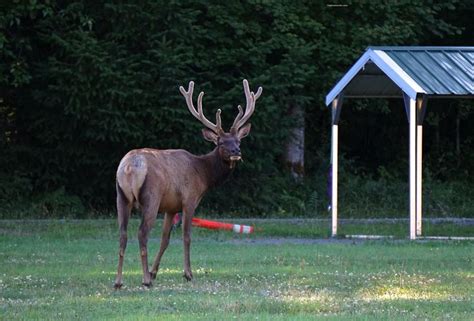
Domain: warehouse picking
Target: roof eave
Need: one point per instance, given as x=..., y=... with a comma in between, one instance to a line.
x=348, y=76
x=387, y=65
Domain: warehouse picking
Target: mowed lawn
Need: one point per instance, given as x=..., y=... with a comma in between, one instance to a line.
x=64, y=270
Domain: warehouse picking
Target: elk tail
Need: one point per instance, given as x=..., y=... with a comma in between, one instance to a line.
x=131, y=175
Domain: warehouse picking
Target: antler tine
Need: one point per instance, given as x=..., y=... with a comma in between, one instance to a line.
x=236, y=120
x=199, y=114
x=219, y=121
x=188, y=95
x=251, y=98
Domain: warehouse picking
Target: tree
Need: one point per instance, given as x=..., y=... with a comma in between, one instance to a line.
x=85, y=81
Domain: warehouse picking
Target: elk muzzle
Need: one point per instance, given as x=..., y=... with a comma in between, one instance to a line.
x=233, y=160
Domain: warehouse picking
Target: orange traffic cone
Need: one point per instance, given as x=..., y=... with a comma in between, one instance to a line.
x=214, y=225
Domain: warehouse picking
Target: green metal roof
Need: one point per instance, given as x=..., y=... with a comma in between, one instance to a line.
x=392, y=71
x=438, y=70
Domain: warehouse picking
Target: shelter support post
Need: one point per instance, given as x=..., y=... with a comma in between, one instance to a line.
x=419, y=171
x=334, y=166
x=416, y=109
x=412, y=147
x=410, y=106
x=421, y=101
x=336, y=111
x=413, y=163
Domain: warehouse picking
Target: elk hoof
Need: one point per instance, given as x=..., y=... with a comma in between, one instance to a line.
x=188, y=276
x=147, y=285
x=118, y=286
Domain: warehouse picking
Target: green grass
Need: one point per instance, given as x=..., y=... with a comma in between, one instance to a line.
x=64, y=270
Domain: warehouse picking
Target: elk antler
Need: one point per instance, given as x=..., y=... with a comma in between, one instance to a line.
x=188, y=95
x=242, y=117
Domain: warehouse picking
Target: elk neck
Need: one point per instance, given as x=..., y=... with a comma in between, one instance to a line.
x=215, y=168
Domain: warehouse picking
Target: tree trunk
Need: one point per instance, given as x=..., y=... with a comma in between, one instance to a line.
x=294, y=149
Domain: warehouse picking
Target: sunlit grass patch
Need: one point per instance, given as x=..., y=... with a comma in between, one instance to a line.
x=390, y=293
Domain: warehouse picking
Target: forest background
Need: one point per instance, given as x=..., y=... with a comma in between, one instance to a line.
x=83, y=82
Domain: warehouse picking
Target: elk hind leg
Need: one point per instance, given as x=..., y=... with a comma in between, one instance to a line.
x=124, y=208
x=165, y=240
x=149, y=210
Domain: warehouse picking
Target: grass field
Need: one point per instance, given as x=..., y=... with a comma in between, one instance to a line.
x=64, y=270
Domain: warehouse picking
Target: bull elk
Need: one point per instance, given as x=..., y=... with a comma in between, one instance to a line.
x=174, y=180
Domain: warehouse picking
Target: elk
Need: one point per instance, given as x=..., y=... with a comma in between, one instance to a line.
x=174, y=180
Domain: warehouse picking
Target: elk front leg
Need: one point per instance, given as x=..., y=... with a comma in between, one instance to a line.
x=123, y=213
x=149, y=216
x=187, y=217
x=165, y=240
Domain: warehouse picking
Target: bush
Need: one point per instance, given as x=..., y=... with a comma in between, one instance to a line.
x=57, y=204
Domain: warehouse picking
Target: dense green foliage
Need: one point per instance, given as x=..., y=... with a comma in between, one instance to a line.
x=68, y=275
x=83, y=82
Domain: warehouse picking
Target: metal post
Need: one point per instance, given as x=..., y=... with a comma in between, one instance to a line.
x=336, y=112
x=413, y=163
x=421, y=102
x=334, y=160
x=419, y=174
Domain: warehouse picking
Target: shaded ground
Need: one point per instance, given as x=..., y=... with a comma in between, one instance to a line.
x=274, y=231
x=361, y=221
x=290, y=240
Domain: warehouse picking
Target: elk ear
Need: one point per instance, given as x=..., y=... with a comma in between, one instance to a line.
x=244, y=131
x=210, y=136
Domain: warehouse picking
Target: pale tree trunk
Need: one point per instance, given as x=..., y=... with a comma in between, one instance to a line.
x=294, y=149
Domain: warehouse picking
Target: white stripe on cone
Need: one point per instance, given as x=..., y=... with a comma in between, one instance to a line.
x=245, y=229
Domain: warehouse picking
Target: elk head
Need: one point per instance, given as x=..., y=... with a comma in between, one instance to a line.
x=228, y=144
